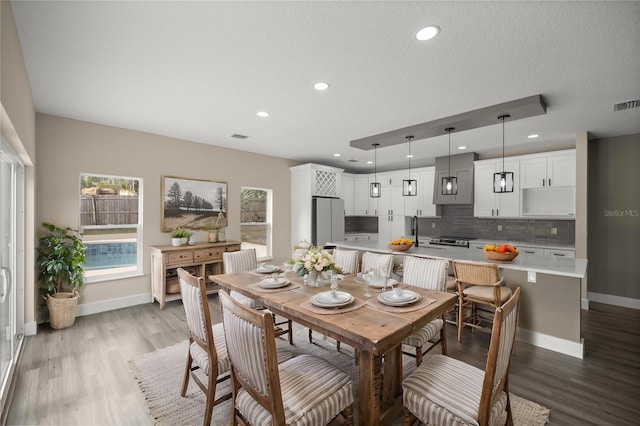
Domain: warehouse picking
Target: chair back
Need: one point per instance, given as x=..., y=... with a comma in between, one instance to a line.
x=251, y=348
x=347, y=260
x=427, y=273
x=503, y=335
x=239, y=261
x=196, y=307
x=381, y=264
x=476, y=273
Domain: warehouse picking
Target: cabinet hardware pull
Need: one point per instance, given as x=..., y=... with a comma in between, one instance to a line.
x=549, y=181
x=497, y=212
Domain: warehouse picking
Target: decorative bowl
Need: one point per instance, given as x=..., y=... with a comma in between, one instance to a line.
x=494, y=255
x=400, y=247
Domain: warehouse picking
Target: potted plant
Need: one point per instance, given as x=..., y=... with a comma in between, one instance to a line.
x=180, y=236
x=213, y=233
x=60, y=262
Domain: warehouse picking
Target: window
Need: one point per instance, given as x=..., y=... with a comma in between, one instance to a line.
x=111, y=226
x=255, y=221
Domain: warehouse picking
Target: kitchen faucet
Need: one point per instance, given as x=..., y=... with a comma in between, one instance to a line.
x=414, y=225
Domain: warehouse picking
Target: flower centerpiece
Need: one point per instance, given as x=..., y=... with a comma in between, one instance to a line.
x=314, y=263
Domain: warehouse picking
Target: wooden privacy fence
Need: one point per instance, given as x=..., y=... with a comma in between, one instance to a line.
x=108, y=210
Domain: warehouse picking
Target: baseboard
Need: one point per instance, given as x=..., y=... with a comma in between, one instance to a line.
x=556, y=344
x=584, y=304
x=112, y=304
x=609, y=299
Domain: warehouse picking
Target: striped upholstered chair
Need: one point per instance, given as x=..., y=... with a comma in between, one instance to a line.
x=347, y=260
x=304, y=390
x=207, y=348
x=446, y=391
x=429, y=274
x=381, y=264
x=246, y=260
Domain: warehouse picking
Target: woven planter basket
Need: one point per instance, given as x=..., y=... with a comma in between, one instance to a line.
x=62, y=309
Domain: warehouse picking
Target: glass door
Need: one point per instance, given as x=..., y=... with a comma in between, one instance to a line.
x=11, y=288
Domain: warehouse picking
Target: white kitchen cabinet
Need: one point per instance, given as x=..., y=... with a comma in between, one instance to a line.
x=552, y=169
x=347, y=193
x=528, y=250
x=391, y=202
x=422, y=204
x=391, y=227
x=364, y=205
x=487, y=203
x=560, y=253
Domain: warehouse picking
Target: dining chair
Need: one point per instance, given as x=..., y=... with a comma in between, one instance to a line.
x=444, y=390
x=347, y=260
x=479, y=283
x=430, y=274
x=302, y=390
x=207, y=347
x=246, y=260
x=381, y=264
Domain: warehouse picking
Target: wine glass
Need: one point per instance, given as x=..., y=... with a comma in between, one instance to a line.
x=334, y=284
x=366, y=283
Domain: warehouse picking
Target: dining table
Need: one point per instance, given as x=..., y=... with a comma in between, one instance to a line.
x=375, y=330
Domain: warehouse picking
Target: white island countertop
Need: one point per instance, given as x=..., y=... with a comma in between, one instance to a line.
x=561, y=266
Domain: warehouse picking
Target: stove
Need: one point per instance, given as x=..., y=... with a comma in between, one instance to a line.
x=451, y=241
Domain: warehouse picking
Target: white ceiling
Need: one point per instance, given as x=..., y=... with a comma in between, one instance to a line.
x=201, y=70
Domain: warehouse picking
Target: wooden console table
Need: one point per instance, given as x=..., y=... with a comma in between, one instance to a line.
x=199, y=259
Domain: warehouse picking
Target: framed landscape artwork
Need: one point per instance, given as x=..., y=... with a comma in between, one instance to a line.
x=192, y=203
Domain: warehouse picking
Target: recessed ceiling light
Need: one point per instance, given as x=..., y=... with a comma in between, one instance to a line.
x=409, y=155
x=321, y=85
x=336, y=155
x=263, y=114
x=427, y=33
x=462, y=147
x=533, y=136
x=369, y=162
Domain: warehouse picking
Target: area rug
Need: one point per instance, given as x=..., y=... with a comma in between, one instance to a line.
x=159, y=375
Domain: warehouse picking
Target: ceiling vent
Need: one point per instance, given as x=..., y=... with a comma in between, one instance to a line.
x=237, y=136
x=626, y=105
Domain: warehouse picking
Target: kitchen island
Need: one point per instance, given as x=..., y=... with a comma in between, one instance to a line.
x=549, y=307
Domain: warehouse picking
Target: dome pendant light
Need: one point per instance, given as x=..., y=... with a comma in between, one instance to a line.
x=449, y=183
x=503, y=181
x=376, y=188
x=409, y=186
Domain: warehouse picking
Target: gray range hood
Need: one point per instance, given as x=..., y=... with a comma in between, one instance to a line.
x=461, y=168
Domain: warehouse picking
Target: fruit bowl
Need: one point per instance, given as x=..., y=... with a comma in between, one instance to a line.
x=494, y=255
x=400, y=247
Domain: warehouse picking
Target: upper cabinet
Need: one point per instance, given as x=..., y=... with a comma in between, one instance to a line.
x=486, y=202
x=422, y=204
x=348, y=194
x=462, y=168
x=364, y=205
x=550, y=169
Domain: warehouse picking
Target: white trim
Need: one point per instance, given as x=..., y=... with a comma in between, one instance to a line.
x=31, y=328
x=556, y=344
x=584, y=304
x=610, y=299
x=112, y=304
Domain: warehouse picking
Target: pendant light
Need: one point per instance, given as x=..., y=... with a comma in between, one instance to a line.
x=376, y=188
x=409, y=186
x=503, y=181
x=449, y=183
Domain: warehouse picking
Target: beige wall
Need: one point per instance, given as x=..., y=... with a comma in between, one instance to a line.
x=18, y=129
x=68, y=147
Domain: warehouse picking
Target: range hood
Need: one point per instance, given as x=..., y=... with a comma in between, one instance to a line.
x=462, y=168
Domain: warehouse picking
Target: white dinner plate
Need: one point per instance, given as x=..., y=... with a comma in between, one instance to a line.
x=266, y=269
x=330, y=299
x=273, y=283
x=407, y=297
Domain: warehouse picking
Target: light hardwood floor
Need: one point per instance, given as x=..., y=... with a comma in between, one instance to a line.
x=81, y=375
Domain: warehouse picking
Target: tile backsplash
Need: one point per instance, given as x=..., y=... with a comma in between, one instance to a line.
x=458, y=220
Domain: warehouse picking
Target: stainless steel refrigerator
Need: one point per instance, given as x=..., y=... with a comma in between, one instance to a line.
x=327, y=220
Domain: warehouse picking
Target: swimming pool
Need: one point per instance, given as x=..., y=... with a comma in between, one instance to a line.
x=105, y=255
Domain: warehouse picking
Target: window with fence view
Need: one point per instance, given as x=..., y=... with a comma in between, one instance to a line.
x=111, y=225
x=255, y=221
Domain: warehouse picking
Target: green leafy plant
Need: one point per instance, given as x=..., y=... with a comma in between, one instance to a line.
x=61, y=258
x=180, y=233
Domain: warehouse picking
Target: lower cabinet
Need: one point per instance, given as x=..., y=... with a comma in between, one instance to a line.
x=199, y=259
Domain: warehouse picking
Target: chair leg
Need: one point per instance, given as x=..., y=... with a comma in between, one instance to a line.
x=310, y=337
x=460, y=317
x=338, y=345
x=211, y=396
x=407, y=417
x=289, y=324
x=418, y=356
x=347, y=413
x=443, y=335
x=187, y=374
